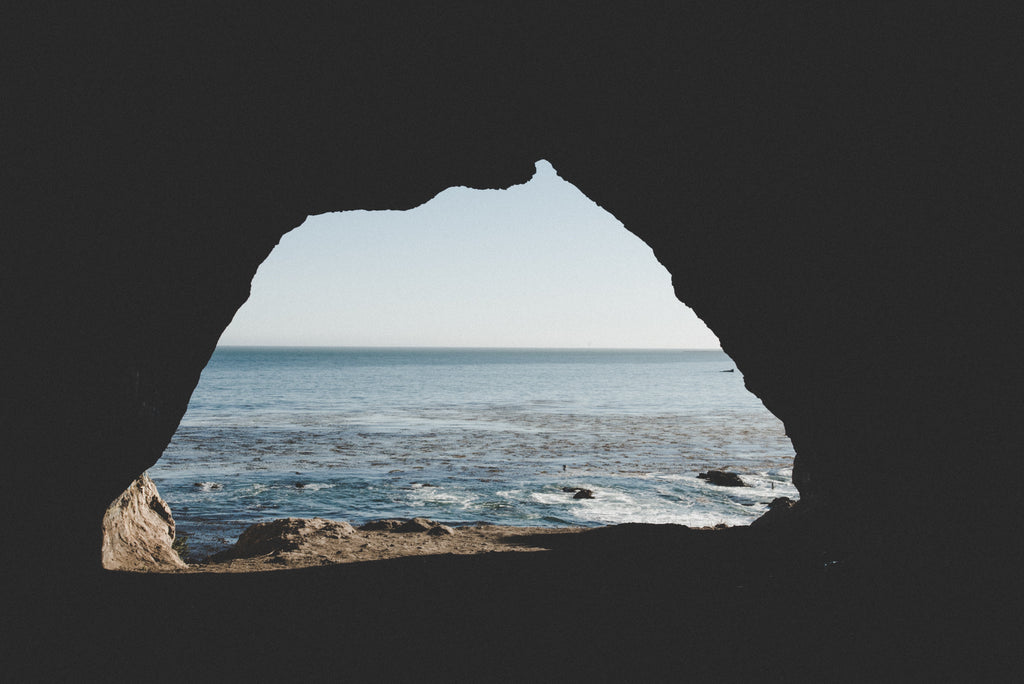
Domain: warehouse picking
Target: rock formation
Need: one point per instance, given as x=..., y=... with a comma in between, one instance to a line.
x=300, y=542
x=579, y=492
x=417, y=525
x=721, y=478
x=138, y=530
x=403, y=526
x=285, y=535
x=386, y=525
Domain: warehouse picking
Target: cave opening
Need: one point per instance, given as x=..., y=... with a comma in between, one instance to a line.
x=481, y=358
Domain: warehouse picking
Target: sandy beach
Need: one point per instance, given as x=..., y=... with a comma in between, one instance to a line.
x=292, y=543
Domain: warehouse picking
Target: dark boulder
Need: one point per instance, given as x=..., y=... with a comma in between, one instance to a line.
x=778, y=509
x=580, y=492
x=722, y=478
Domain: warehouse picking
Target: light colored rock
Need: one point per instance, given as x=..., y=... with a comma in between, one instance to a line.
x=417, y=525
x=286, y=535
x=138, y=530
x=382, y=525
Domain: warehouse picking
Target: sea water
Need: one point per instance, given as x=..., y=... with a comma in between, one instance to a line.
x=468, y=435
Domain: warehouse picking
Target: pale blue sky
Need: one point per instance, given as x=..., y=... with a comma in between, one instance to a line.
x=537, y=265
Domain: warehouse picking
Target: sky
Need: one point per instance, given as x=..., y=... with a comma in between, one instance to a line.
x=536, y=265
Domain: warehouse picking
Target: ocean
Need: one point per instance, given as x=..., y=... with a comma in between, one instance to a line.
x=468, y=435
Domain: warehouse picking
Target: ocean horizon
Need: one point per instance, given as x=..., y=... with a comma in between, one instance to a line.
x=468, y=434
x=342, y=347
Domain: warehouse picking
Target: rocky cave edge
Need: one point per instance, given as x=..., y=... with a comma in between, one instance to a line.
x=836, y=195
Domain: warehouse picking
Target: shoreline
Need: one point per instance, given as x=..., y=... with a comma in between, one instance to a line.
x=293, y=543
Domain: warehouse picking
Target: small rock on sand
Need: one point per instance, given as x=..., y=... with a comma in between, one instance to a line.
x=381, y=525
x=417, y=525
x=285, y=534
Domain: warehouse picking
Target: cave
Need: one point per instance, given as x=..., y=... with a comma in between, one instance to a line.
x=834, y=191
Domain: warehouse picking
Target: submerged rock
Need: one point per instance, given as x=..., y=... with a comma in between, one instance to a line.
x=722, y=478
x=138, y=530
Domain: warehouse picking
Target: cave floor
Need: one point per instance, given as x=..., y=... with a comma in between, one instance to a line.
x=612, y=604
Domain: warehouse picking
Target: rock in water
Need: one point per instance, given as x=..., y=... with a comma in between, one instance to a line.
x=580, y=492
x=781, y=503
x=138, y=530
x=722, y=478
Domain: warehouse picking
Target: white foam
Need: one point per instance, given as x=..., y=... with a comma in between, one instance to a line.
x=437, y=495
x=317, y=486
x=548, y=498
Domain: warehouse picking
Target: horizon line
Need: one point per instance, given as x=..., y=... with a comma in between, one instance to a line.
x=497, y=348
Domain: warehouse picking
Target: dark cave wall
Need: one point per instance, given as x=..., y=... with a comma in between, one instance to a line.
x=835, y=194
